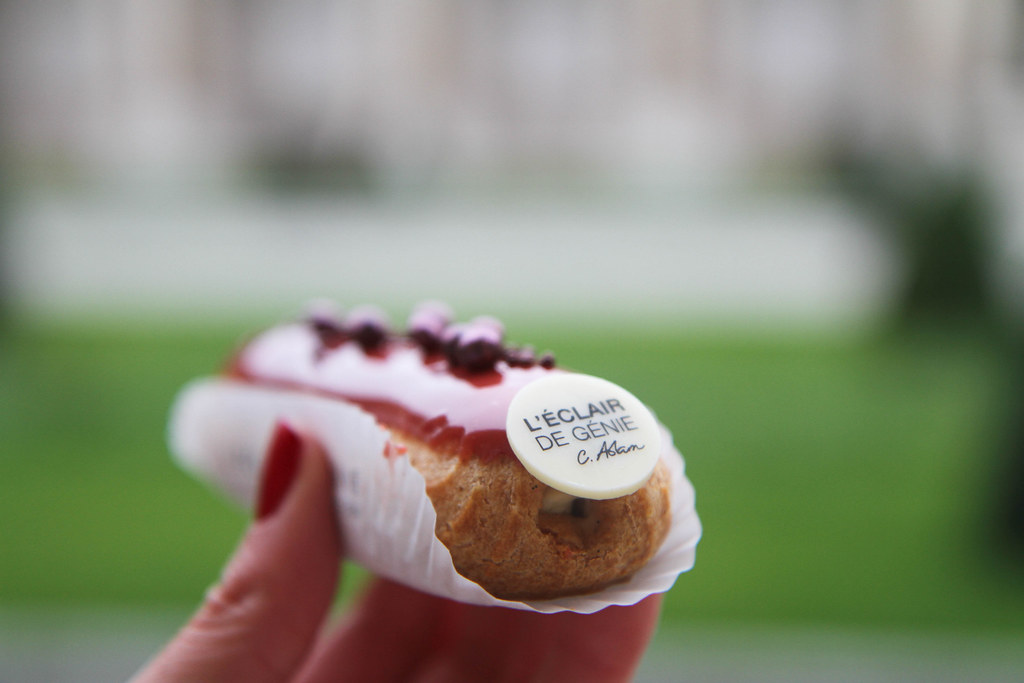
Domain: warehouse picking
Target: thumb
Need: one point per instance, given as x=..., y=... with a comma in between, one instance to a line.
x=259, y=622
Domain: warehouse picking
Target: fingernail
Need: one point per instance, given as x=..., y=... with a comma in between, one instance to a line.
x=279, y=470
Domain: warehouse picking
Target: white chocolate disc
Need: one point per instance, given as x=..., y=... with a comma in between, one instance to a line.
x=583, y=435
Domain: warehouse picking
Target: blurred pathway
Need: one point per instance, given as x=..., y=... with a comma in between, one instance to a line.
x=105, y=646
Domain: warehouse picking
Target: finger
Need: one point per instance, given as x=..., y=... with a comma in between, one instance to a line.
x=259, y=622
x=604, y=646
x=385, y=637
x=498, y=644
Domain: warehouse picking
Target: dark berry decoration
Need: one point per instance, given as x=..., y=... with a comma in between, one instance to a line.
x=427, y=325
x=474, y=346
x=477, y=356
x=368, y=325
x=325, y=319
x=520, y=357
x=331, y=334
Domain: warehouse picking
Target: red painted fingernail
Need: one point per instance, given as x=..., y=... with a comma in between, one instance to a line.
x=279, y=470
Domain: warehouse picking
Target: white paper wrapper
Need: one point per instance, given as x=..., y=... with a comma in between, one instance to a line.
x=220, y=430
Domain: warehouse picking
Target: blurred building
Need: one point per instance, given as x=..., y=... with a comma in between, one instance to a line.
x=462, y=87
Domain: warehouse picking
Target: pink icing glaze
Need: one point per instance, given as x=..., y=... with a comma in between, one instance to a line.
x=406, y=389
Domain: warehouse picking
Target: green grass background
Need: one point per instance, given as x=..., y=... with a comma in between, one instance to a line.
x=839, y=481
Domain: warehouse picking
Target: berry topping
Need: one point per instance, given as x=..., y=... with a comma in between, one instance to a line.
x=368, y=325
x=427, y=324
x=325, y=319
x=473, y=347
x=476, y=356
x=520, y=357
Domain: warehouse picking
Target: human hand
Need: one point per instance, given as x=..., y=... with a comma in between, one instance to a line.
x=263, y=622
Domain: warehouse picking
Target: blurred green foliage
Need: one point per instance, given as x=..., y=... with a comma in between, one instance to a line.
x=943, y=222
x=838, y=481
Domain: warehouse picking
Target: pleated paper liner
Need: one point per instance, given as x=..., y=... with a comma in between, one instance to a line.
x=220, y=429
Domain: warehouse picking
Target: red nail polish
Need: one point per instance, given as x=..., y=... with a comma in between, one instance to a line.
x=279, y=470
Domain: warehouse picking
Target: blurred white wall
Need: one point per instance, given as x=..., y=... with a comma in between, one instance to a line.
x=763, y=263
x=469, y=86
